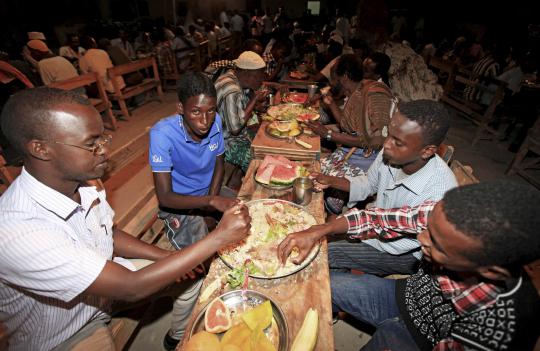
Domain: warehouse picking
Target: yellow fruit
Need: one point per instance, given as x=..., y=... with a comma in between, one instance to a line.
x=283, y=127
x=260, y=342
x=238, y=336
x=306, y=338
x=294, y=132
x=217, y=318
x=260, y=317
x=203, y=341
x=230, y=347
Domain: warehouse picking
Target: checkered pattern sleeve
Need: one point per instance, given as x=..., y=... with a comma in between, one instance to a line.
x=388, y=224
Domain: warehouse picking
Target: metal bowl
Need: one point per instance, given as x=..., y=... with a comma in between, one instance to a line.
x=239, y=301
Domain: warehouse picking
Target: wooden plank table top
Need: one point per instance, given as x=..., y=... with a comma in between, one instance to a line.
x=263, y=144
x=296, y=293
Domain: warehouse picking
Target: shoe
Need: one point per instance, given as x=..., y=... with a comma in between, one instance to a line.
x=170, y=343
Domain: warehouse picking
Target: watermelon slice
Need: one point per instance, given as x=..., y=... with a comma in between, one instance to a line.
x=283, y=175
x=284, y=160
x=264, y=174
x=276, y=160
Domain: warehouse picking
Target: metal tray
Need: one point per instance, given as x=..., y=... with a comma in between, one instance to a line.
x=314, y=252
x=237, y=301
x=267, y=131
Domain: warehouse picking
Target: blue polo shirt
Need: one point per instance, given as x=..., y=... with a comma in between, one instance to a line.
x=190, y=163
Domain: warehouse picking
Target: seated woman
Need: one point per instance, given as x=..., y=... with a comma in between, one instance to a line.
x=363, y=122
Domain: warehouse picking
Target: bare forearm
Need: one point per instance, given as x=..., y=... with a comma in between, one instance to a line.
x=217, y=178
x=337, y=225
x=183, y=202
x=339, y=183
x=128, y=246
x=248, y=111
x=147, y=281
x=336, y=112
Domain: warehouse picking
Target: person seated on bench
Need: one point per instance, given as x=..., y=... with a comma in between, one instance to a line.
x=186, y=157
x=58, y=279
x=238, y=95
x=470, y=293
x=97, y=60
x=407, y=172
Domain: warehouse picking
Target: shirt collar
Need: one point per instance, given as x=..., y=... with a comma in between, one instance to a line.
x=53, y=200
x=215, y=129
x=415, y=182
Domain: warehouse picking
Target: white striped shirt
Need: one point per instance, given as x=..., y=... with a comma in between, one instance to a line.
x=52, y=249
x=394, y=189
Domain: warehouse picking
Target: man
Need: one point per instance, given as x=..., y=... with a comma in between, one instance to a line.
x=57, y=242
x=97, y=60
x=238, y=95
x=186, y=156
x=470, y=294
x=72, y=51
x=51, y=68
x=407, y=172
x=376, y=66
x=123, y=42
x=276, y=58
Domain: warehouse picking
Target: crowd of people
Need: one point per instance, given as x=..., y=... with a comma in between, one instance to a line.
x=66, y=269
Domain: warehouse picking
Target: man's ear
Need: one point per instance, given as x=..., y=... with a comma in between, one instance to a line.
x=180, y=108
x=429, y=151
x=494, y=272
x=38, y=149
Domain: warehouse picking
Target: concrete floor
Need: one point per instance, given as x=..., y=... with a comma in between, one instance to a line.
x=489, y=161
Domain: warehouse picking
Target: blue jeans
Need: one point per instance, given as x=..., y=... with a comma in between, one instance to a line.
x=372, y=300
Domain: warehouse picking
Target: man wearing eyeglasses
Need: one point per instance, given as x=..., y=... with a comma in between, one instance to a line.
x=57, y=241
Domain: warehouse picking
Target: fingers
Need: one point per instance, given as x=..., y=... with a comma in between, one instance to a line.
x=284, y=250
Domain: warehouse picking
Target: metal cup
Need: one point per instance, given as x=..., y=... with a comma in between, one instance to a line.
x=302, y=191
x=312, y=89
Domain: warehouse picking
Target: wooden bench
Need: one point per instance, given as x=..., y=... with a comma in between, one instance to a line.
x=225, y=47
x=477, y=113
x=102, y=103
x=528, y=156
x=444, y=70
x=149, y=83
x=464, y=174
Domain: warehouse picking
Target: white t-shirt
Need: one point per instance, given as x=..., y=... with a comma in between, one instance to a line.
x=97, y=60
x=55, y=69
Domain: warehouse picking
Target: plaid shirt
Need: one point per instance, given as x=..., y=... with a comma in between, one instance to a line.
x=271, y=63
x=165, y=58
x=391, y=224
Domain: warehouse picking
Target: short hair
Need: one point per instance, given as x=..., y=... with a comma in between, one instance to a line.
x=194, y=84
x=502, y=215
x=250, y=44
x=27, y=114
x=350, y=65
x=431, y=116
x=382, y=64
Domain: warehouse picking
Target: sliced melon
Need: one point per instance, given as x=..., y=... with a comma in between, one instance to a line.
x=265, y=174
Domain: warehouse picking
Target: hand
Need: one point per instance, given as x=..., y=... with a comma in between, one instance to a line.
x=327, y=100
x=221, y=203
x=260, y=95
x=310, y=101
x=303, y=242
x=318, y=128
x=320, y=181
x=234, y=225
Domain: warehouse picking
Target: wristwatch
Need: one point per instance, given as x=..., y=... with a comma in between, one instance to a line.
x=329, y=134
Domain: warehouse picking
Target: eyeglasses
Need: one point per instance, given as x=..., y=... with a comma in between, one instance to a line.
x=95, y=149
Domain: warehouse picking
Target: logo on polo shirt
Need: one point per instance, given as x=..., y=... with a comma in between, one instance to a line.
x=212, y=147
x=157, y=159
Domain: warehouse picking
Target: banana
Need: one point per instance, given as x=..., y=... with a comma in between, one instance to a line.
x=303, y=143
x=306, y=338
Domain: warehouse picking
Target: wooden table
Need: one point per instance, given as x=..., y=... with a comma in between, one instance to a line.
x=295, y=294
x=263, y=144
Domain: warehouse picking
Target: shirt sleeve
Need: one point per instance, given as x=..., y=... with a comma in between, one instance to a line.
x=45, y=262
x=378, y=112
x=221, y=141
x=234, y=112
x=388, y=224
x=160, y=152
x=363, y=186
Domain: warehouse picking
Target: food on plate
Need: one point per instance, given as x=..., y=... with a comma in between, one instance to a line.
x=284, y=129
x=271, y=221
x=279, y=171
x=217, y=318
x=298, y=98
x=203, y=341
x=298, y=75
x=288, y=112
x=243, y=337
x=260, y=317
x=306, y=338
x=303, y=143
